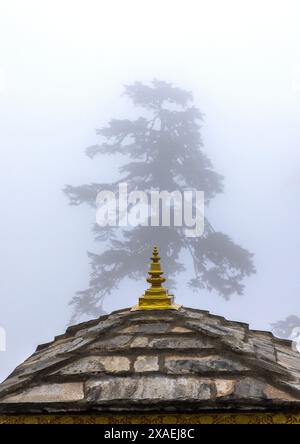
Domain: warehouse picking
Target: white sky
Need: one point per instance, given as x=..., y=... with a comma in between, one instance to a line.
x=62, y=67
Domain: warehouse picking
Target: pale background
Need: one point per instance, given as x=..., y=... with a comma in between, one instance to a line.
x=63, y=65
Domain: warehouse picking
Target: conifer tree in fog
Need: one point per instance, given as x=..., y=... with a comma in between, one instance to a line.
x=285, y=328
x=162, y=149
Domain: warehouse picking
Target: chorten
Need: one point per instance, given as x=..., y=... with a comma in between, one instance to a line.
x=156, y=297
x=156, y=363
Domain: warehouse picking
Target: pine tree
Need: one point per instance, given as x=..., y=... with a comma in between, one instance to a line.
x=163, y=150
x=284, y=328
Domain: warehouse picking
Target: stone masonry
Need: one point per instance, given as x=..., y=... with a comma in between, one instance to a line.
x=166, y=360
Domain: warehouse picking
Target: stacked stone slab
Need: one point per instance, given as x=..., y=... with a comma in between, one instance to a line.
x=131, y=361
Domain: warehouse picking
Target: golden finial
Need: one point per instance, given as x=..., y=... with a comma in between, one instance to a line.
x=156, y=297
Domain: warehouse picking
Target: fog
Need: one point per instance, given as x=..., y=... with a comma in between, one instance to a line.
x=63, y=65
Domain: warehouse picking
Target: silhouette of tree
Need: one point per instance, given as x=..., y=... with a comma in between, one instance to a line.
x=284, y=328
x=163, y=150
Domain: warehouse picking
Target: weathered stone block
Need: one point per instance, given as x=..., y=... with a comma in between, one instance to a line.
x=142, y=316
x=199, y=314
x=146, y=364
x=66, y=392
x=94, y=364
x=139, y=342
x=224, y=387
x=295, y=386
x=149, y=388
x=274, y=394
x=42, y=364
x=180, y=343
x=110, y=323
x=130, y=329
x=215, y=328
x=249, y=388
x=115, y=364
x=263, y=347
x=191, y=364
x=115, y=343
x=238, y=345
x=288, y=358
x=73, y=345
x=154, y=327
x=181, y=330
x=12, y=383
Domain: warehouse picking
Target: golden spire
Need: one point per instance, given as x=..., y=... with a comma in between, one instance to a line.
x=156, y=297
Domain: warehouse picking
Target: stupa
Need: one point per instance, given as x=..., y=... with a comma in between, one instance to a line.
x=157, y=362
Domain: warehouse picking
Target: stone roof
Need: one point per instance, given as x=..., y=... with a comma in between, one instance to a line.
x=156, y=360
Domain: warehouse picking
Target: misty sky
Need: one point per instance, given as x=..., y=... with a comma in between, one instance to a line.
x=63, y=65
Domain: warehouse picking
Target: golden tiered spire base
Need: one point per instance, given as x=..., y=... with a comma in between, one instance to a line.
x=156, y=297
